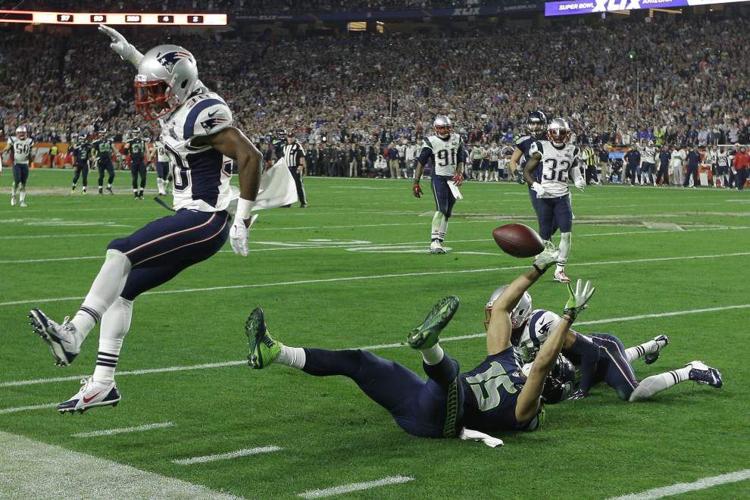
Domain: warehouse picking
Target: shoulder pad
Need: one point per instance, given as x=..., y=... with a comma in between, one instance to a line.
x=206, y=116
x=427, y=143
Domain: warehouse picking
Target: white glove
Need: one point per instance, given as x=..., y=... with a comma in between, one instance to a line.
x=547, y=257
x=580, y=183
x=238, y=234
x=121, y=46
x=538, y=188
x=578, y=299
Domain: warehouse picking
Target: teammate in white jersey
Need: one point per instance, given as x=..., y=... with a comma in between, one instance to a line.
x=21, y=147
x=648, y=164
x=446, y=153
x=199, y=137
x=559, y=162
x=162, y=168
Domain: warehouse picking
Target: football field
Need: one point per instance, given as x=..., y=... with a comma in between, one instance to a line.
x=352, y=270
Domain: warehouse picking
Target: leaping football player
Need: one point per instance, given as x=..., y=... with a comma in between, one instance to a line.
x=20, y=147
x=558, y=160
x=600, y=357
x=446, y=153
x=494, y=396
x=198, y=132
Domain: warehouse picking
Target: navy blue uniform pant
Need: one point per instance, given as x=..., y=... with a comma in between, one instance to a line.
x=554, y=214
x=163, y=248
x=20, y=173
x=81, y=170
x=162, y=169
x=138, y=169
x=613, y=367
x=444, y=199
x=419, y=407
x=110, y=169
x=692, y=172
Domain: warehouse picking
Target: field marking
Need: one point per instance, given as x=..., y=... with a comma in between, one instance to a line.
x=26, y=408
x=245, y=452
x=679, y=488
x=124, y=430
x=33, y=469
x=384, y=276
x=225, y=364
x=348, y=488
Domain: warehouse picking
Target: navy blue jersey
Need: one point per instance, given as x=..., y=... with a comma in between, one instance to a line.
x=137, y=150
x=524, y=144
x=81, y=153
x=693, y=159
x=103, y=149
x=490, y=394
x=633, y=158
x=664, y=157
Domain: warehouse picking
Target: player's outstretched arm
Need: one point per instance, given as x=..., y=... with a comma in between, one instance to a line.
x=528, y=401
x=121, y=46
x=527, y=173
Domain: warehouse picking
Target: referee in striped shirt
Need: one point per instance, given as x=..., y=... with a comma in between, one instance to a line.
x=294, y=157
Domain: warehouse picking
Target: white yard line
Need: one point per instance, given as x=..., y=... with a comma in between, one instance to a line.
x=386, y=276
x=225, y=364
x=26, y=408
x=227, y=456
x=32, y=469
x=349, y=488
x=679, y=488
x=123, y=430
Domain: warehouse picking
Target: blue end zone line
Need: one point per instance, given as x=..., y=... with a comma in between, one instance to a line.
x=224, y=364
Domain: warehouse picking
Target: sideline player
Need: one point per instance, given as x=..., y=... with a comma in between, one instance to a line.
x=162, y=168
x=494, y=396
x=103, y=150
x=446, y=153
x=198, y=133
x=601, y=357
x=21, y=147
x=136, y=148
x=81, y=152
x=558, y=161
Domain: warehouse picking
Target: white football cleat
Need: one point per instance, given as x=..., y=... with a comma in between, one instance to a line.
x=91, y=395
x=63, y=340
x=13, y=200
x=23, y=204
x=436, y=247
x=561, y=276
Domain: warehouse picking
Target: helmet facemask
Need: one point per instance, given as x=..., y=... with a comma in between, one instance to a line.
x=153, y=99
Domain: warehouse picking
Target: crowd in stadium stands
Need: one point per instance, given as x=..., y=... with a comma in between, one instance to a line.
x=686, y=84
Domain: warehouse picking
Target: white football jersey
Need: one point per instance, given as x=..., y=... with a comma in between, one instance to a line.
x=649, y=155
x=493, y=153
x=558, y=165
x=678, y=156
x=200, y=175
x=21, y=149
x=161, y=152
x=537, y=329
x=446, y=152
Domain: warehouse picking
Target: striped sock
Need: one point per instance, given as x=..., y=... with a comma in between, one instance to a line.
x=85, y=319
x=636, y=352
x=106, y=364
x=657, y=383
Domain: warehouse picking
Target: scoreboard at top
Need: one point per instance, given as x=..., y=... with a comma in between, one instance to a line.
x=112, y=18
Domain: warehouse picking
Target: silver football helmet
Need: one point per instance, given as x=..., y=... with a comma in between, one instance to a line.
x=518, y=315
x=443, y=126
x=558, y=132
x=21, y=132
x=167, y=75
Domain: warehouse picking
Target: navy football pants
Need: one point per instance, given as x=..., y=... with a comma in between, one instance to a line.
x=161, y=249
x=614, y=368
x=417, y=406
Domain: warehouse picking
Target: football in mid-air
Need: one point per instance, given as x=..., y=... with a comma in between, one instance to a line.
x=518, y=240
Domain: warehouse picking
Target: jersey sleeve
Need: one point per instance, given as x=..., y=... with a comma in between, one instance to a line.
x=535, y=147
x=462, y=154
x=536, y=331
x=206, y=118
x=426, y=152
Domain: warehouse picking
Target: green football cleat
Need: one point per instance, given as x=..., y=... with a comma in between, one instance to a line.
x=426, y=335
x=263, y=348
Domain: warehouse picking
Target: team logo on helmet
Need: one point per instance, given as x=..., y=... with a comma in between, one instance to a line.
x=169, y=59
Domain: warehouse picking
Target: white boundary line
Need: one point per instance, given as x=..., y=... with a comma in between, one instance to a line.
x=32, y=469
x=225, y=364
x=25, y=408
x=384, y=276
x=349, y=488
x=124, y=430
x=226, y=456
x=679, y=488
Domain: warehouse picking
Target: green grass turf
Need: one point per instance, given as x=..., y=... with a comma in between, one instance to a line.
x=330, y=432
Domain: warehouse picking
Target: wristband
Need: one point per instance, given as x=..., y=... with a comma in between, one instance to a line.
x=244, y=208
x=539, y=269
